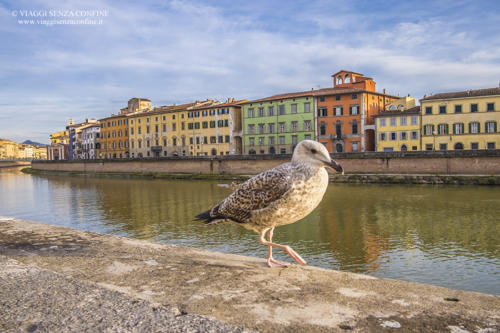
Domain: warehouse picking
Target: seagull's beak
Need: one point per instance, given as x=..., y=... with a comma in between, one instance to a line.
x=335, y=166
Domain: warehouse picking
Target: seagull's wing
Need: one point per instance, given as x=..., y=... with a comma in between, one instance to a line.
x=256, y=193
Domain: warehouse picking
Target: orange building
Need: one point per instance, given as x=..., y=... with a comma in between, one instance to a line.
x=114, y=137
x=345, y=113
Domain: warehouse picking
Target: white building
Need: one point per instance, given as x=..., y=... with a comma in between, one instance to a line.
x=90, y=141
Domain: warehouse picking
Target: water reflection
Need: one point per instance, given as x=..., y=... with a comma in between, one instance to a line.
x=441, y=235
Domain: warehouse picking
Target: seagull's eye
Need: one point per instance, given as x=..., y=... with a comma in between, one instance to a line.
x=313, y=151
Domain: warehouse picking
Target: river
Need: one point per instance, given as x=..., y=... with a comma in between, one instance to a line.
x=441, y=235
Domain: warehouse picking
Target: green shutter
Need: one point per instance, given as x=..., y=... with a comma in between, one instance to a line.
x=479, y=127
x=447, y=129
x=495, y=126
x=470, y=128
x=454, y=129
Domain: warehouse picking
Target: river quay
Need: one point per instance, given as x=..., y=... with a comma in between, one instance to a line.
x=61, y=279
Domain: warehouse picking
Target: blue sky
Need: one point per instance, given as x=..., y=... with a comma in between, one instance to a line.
x=179, y=51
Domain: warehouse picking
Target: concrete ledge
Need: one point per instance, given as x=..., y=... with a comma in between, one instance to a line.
x=237, y=290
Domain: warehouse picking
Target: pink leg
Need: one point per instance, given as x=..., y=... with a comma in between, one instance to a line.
x=285, y=248
x=270, y=260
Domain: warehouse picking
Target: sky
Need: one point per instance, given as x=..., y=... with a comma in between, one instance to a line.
x=181, y=51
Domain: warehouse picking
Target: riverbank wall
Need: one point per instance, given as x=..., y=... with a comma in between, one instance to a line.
x=471, y=162
x=13, y=164
x=61, y=279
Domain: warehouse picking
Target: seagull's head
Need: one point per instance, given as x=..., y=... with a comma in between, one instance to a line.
x=314, y=153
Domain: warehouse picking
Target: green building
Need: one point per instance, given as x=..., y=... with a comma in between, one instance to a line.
x=274, y=125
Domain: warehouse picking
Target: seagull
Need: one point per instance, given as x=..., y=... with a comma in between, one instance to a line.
x=278, y=196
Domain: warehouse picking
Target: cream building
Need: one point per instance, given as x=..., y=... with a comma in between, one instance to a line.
x=461, y=120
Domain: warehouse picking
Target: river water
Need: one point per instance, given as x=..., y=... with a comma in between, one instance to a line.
x=441, y=235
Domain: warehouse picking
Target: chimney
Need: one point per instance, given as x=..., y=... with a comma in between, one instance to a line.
x=384, y=91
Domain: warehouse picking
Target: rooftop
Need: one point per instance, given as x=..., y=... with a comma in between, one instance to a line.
x=464, y=94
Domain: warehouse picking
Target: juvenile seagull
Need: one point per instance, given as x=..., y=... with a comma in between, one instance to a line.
x=279, y=196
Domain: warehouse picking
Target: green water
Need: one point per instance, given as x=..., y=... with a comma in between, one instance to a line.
x=442, y=235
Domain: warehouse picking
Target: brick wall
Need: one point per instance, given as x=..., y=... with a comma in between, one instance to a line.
x=448, y=162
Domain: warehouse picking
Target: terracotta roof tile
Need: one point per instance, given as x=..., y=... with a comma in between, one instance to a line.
x=462, y=94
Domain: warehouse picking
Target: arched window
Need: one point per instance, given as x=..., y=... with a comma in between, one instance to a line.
x=404, y=148
x=272, y=150
x=339, y=79
x=392, y=107
x=252, y=151
x=347, y=78
x=400, y=107
x=459, y=146
x=214, y=151
x=339, y=148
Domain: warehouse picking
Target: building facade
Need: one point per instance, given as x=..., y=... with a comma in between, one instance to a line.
x=90, y=141
x=398, y=130
x=461, y=120
x=274, y=125
x=345, y=113
x=60, y=137
x=8, y=149
x=215, y=129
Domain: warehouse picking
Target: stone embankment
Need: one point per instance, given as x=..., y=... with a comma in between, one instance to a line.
x=60, y=279
x=12, y=164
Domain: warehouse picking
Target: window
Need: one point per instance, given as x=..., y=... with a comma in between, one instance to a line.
x=281, y=127
x=250, y=113
x=282, y=140
x=474, y=145
x=272, y=140
x=307, y=125
x=261, y=112
x=174, y=126
x=294, y=126
x=429, y=146
x=251, y=128
x=338, y=110
x=490, y=145
x=283, y=151
x=443, y=146
x=261, y=141
x=354, y=126
x=403, y=136
x=388, y=149
x=353, y=109
x=204, y=124
x=403, y=120
x=490, y=106
x=307, y=107
x=382, y=136
x=337, y=97
x=212, y=124
x=393, y=121
x=442, y=129
x=473, y=108
x=322, y=112
x=307, y=137
x=270, y=111
x=164, y=127
x=197, y=125
x=458, y=108
x=458, y=146
x=294, y=108
x=322, y=128
x=338, y=129
x=491, y=127
x=322, y=98
x=442, y=109
x=227, y=139
x=131, y=131
x=270, y=127
x=393, y=136
x=474, y=128
x=205, y=140
x=458, y=128
x=355, y=146
x=294, y=139
x=190, y=126
x=354, y=96
x=428, y=110
x=262, y=128
x=382, y=122
x=190, y=140
x=414, y=135
x=251, y=140
x=414, y=120
x=281, y=109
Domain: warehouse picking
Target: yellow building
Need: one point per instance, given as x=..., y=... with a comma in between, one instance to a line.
x=113, y=141
x=59, y=137
x=8, y=149
x=461, y=120
x=161, y=132
x=397, y=128
x=215, y=129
